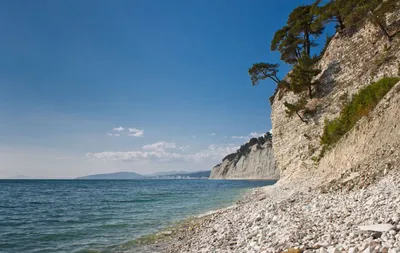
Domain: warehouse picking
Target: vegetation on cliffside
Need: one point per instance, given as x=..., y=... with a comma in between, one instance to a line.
x=246, y=148
x=360, y=105
x=295, y=40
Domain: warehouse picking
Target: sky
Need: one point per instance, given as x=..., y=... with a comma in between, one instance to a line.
x=100, y=86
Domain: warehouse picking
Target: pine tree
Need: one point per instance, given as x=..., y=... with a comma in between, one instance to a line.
x=287, y=44
x=303, y=74
x=333, y=11
x=261, y=71
x=296, y=37
x=302, y=24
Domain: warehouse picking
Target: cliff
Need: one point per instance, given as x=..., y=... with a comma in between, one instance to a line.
x=351, y=62
x=254, y=160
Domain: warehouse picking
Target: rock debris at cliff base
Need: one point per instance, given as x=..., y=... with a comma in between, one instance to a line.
x=365, y=220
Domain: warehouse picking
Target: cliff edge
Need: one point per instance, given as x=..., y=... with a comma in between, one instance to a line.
x=254, y=160
x=351, y=62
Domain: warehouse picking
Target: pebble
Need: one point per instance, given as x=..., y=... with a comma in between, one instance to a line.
x=357, y=221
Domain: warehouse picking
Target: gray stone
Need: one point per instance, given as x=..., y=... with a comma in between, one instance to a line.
x=368, y=250
x=333, y=250
x=323, y=250
x=353, y=250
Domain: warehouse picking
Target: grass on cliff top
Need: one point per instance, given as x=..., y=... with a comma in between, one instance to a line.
x=361, y=104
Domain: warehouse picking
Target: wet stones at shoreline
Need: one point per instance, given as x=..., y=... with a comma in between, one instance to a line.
x=365, y=220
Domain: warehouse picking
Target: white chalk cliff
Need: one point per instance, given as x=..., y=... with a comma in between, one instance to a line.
x=254, y=160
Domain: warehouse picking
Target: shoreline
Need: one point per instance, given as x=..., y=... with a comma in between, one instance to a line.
x=161, y=240
x=244, y=179
x=279, y=218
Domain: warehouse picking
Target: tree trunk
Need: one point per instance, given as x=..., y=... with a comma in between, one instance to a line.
x=394, y=34
x=381, y=27
x=387, y=35
x=275, y=80
x=310, y=91
x=341, y=24
x=301, y=118
x=307, y=43
x=298, y=54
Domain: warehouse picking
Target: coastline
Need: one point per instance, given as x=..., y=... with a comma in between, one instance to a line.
x=246, y=179
x=165, y=238
x=279, y=218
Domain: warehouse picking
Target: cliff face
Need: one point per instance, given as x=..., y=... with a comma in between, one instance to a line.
x=351, y=62
x=254, y=160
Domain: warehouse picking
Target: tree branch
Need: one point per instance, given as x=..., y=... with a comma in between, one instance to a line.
x=301, y=118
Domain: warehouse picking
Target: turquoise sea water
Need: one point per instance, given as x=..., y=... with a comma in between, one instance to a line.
x=101, y=215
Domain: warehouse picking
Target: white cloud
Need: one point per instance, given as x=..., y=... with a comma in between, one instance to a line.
x=160, y=146
x=222, y=149
x=157, y=153
x=184, y=148
x=136, y=156
x=239, y=137
x=212, y=134
x=215, y=152
x=118, y=129
x=255, y=134
x=251, y=135
x=136, y=132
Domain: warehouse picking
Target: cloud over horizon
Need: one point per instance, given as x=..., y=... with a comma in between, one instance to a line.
x=118, y=129
x=157, y=153
x=133, y=132
x=136, y=132
x=159, y=146
x=251, y=135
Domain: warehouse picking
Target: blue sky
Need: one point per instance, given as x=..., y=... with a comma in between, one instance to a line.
x=174, y=72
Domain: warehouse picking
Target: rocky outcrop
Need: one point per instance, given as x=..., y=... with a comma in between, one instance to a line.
x=352, y=61
x=369, y=151
x=254, y=160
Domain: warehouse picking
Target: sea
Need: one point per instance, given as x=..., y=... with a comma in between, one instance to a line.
x=88, y=216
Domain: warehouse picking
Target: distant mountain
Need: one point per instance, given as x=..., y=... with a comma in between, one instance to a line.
x=158, y=175
x=117, y=175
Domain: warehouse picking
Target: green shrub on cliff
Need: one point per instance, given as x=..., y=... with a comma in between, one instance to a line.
x=360, y=105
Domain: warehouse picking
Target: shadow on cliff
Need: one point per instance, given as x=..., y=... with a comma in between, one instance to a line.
x=327, y=79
